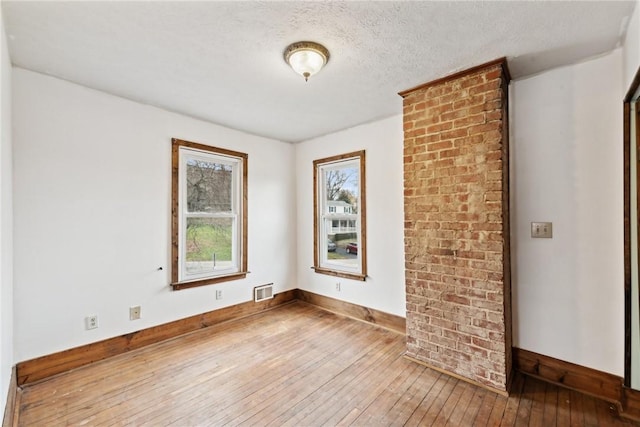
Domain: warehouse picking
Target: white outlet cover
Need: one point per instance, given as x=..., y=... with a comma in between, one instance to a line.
x=134, y=313
x=91, y=322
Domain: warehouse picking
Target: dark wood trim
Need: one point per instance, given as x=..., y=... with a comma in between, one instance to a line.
x=586, y=380
x=336, y=273
x=355, y=311
x=13, y=401
x=176, y=144
x=601, y=385
x=635, y=84
x=337, y=158
x=506, y=229
x=630, y=403
x=43, y=367
x=362, y=249
x=175, y=215
x=363, y=215
x=500, y=61
x=244, y=250
x=627, y=245
x=316, y=254
x=209, y=148
x=219, y=279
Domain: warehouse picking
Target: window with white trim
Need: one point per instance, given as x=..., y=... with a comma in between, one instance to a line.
x=209, y=224
x=340, y=217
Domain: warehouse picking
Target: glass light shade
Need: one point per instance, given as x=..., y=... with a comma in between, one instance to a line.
x=306, y=58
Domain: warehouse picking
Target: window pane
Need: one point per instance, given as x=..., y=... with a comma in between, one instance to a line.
x=341, y=190
x=340, y=219
x=342, y=249
x=209, y=186
x=208, y=214
x=209, y=244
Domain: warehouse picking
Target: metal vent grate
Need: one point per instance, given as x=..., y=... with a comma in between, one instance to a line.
x=262, y=293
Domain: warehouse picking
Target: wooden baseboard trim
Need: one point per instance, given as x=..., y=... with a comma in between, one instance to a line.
x=630, y=404
x=358, y=312
x=43, y=367
x=40, y=368
x=586, y=380
x=10, y=414
x=601, y=385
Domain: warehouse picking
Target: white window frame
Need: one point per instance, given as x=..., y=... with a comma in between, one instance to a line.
x=183, y=151
x=324, y=217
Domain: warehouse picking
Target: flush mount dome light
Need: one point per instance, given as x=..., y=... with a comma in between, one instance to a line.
x=306, y=58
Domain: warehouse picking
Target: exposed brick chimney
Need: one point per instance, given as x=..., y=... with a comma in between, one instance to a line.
x=456, y=205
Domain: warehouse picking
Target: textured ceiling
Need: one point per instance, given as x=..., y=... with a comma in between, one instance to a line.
x=222, y=61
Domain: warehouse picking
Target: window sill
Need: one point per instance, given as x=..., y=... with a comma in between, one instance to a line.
x=209, y=281
x=345, y=275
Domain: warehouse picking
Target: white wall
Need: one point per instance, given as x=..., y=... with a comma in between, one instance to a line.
x=6, y=226
x=92, y=200
x=92, y=214
x=384, y=288
x=566, y=134
x=631, y=48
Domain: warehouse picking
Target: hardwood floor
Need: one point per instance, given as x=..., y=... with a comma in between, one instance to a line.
x=296, y=365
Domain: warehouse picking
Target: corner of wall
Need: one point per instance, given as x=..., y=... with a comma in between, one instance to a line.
x=631, y=47
x=6, y=220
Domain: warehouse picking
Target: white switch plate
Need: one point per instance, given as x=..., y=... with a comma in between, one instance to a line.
x=542, y=230
x=218, y=294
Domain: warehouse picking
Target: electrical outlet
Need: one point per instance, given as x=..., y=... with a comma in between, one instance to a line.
x=134, y=312
x=91, y=322
x=338, y=286
x=218, y=293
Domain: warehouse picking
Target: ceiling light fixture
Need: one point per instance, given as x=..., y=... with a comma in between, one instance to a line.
x=306, y=58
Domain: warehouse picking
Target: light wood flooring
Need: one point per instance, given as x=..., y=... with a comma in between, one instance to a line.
x=296, y=365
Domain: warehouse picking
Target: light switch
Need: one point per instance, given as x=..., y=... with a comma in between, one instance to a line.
x=542, y=229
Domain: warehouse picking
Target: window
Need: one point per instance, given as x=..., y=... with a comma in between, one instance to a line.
x=209, y=215
x=340, y=218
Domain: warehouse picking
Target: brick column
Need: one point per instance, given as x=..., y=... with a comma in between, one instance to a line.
x=456, y=205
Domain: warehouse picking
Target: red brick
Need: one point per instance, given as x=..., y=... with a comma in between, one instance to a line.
x=454, y=245
x=435, y=146
x=420, y=106
x=438, y=127
x=472, y=81
x=497, y=73
x=470, y=120
x=415, y=132
x=455, y=133
x=487, y=87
